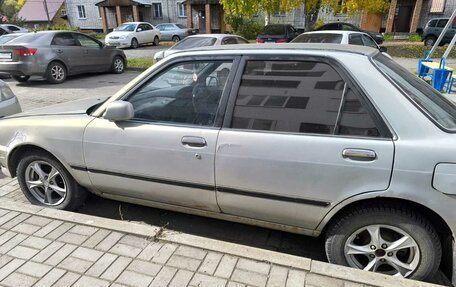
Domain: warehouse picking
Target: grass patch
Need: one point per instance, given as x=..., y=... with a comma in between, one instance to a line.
x=140, y=63
x=414, y=38
x=414, y=51
x=388, y=37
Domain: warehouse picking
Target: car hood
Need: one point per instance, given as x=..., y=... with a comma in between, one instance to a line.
x=68, y=108
x=119, y=33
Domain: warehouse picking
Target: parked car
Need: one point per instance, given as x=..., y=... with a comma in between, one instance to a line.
x=339, y=37
x=277, y=33
x=9, y=104
x=133, y=34
x=199, y=41
x=378, y=37
x=173, y=31
x=55, y=55
x=13, y=28
x=293, y=137
x=8, y=37
x=433, y=30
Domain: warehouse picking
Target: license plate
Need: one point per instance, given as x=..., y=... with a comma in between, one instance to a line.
x=5, y=55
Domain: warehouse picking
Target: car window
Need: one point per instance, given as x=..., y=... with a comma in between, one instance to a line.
x=13, y=28
x=355, y=39
x=318, y=38
x=274, y=30
x=442, y=23
x=437, y=107
x=62, y=39
x=148, y=27
x=298, y=97
x=332, y=26
x=369, y=42
x=229, y=41
x=187, y=93
x=126, y=27
x=86, y=41
x=194, y=42
x=241, y=40
x=432, y=23
x=6, y=38
x=3, y=31
x=347, y=27
x=181, y=26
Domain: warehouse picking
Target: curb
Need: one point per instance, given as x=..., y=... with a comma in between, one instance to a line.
x=141, y=229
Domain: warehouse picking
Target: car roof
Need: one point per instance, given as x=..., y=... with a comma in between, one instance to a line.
x=218, y=36
x=342, y=32
x=242, y=48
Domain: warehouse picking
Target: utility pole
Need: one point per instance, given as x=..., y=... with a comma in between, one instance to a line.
x=47, y=12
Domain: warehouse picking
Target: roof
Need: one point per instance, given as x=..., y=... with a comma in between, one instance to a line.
x=218, y=36
x=341, y=32
x=354, y=49
x=33, y=10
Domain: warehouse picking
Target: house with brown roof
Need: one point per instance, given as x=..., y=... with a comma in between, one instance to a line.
x=38, y=14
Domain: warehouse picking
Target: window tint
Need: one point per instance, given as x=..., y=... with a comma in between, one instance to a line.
x=332, y=26
x=369, y=42
x=187, y=93
x=442, y=23
x=432, y=23
x=241, y=41
x=288, y=96
x=64, y=39
x=86, y=41
x=319, y=38
x=355, y=39
x=274, y=30
x=347, y=27
x=355, y=120
x=13, y=28
x=229, y=41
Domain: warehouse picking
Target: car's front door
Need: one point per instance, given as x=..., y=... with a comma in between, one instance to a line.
x=95, y=58
x=166, y=152
x=299, y=140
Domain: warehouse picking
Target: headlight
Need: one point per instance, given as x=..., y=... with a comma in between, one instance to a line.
x=6, y=93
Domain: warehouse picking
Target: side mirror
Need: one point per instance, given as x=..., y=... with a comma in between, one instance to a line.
x=139, y=30
x=383, y=49
x=119, y=111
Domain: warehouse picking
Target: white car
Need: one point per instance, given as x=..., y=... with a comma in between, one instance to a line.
x=133, y=34
x=202, y=40
x=13, y=28
x=339, y=37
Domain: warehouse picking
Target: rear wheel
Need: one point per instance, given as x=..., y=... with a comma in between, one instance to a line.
x=21, y=79
x=385, y=239
x=118, y=65
x=134, y=43
x=45, y=182
x=176, y=38
x=430, y=41
x=56, y=73
x=156, y=41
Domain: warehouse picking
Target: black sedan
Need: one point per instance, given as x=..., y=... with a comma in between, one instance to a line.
x=350, y=27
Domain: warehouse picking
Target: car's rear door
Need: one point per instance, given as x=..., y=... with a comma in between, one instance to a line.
x=66, y=48
x=166, y=152
x=298, y=138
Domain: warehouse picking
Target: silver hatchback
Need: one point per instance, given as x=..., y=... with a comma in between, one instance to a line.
x=295, y=137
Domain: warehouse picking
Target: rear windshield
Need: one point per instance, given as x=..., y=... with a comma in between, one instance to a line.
x=318, y=38
x=6, y=38
x=28, y=38
x=181, y=26
x=429, y=100
x=194, y=42
x=274, y=30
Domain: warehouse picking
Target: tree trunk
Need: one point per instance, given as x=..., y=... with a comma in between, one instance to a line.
x=312, y=16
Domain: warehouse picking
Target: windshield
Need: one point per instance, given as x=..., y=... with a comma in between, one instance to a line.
x=126, y=27
x=318, y=38
x=274, y=30
x=6, y=38
x=194, y=42
x=441, y=110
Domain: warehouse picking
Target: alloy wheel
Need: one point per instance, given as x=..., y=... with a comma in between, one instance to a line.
x=384, y=249
x=58, y=73
x=118, y=65
x=45, y=183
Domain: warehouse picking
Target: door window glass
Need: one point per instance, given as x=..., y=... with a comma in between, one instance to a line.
x=86, y=41
x=369, y=42
x=64, y=39
x=288, y=96
x=229, y=41
x=442, y=23
x=355, y=39
x=347, y=27
x=432, y=23
x=187, y=93
x=241, y=41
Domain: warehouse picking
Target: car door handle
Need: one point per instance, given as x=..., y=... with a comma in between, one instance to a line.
x=59, y=51
x=193, y=141
x=359, y=154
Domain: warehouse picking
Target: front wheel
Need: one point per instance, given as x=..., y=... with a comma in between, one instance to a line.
x=134, y=43
x=156, y=41
x=389, y=240
x=21, y=79
x=176, y=38
x=118, y=65
x=45, y=182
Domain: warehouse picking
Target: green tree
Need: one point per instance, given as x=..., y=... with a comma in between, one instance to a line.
x=10, y=8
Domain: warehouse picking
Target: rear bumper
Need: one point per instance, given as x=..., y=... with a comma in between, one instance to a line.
x=22, y=68
x=9, y=107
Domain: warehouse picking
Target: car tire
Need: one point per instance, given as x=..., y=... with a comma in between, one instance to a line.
x=21, y=79
x=156, y=41
x=134, y=43
x=118, y=65
x=176, y=38
x=349, y=241
x=430, y=41
x=45, y=182
x=56, y=73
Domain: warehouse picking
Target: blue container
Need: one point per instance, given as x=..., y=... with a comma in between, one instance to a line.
x=440, y=78
x=423, y=70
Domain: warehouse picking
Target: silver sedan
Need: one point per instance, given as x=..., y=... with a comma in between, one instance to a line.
x=9, y=104
x=173, y=31
x=293, y=137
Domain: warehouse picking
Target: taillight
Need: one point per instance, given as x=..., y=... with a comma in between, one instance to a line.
x=25, y=52
x=259, y=41
x=282, y=41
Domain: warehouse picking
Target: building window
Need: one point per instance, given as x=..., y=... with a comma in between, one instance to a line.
x=437, y=6
x=82, y=12
x=158, y=12
x=98, y=13
x=182, y=9
x=63, y=12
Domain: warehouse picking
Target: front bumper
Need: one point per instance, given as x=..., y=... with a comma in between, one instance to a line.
x=3, y=163
x=118, y=43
